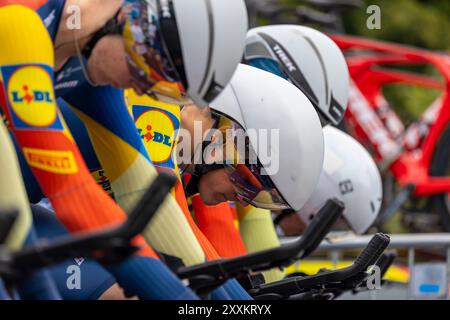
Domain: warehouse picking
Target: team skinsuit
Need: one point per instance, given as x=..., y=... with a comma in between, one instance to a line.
x=118, y=147
x=28, y=100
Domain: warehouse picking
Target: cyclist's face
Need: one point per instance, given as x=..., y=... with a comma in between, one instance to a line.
x=292, y=225
x=108, y=64
x=215, y=187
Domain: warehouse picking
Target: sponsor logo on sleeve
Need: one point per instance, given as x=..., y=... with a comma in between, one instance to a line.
x=157, y=128
x=31, y=100
x=59, y=162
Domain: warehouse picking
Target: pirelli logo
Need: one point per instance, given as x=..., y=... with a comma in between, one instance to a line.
x=60, y=162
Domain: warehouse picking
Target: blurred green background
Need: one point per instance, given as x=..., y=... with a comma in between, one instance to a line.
x=420, y=23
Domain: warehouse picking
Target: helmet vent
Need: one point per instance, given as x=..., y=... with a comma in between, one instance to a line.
x=210, y=50
x=322, y=64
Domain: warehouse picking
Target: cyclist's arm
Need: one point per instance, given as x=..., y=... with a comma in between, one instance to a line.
x=258, y=232
x=217, y=223
x=128, y=167
x=13, y=196
x=27, y=74
x=12, y=191
x=125, y=160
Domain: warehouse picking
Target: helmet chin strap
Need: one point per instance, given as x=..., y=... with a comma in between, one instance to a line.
x=283, y=215
x=82, y=64
x=199, y=171
x=111, y=27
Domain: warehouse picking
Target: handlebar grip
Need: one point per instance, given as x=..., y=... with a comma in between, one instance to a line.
x=373, y=251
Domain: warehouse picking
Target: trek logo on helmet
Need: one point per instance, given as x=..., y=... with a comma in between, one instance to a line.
x=290, y=68
x=284, y=58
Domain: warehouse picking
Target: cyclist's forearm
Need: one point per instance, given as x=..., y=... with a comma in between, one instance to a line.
x=217, y=223
x=49, y=148
x=43, y=137
x=258, y=233
x=122, y=155
x=12, y=191
x=40, y=285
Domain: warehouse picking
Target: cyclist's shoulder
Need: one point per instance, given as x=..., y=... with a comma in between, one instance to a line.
x=157, y=123
x=32, y=4
x=50, y=11
x=134, y=100
x=40, y=6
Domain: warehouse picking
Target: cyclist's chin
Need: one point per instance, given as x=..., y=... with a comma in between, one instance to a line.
x=215, y=199
x=108, y=64
x=215, y=187
x=115, y=77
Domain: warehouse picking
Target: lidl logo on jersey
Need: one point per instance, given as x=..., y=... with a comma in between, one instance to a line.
x=157, y=137
x=29, y=96
x=31, y=100
x=103, y=181
x=157, y=128
x=60, y=162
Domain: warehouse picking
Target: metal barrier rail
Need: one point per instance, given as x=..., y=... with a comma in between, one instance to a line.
x=411, y=242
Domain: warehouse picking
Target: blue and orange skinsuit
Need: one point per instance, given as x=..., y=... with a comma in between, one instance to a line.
x=122, y=155
x=156, y=124
x=13, y=196
x=28, y=100
x=159, y=141
x=157, y=115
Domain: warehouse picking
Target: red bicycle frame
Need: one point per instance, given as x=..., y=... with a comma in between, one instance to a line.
x=404, y=152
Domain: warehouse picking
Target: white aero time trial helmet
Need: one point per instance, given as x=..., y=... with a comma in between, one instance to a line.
x=182, y=50
x=281, y=160
x=350, y=175
x=309, y=59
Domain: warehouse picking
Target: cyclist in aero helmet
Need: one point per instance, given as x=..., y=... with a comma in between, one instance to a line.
x=176, y=47
x=275, y=173
x=307, y=58
x=170, y=49
x=350, y=175
x=38, y=33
